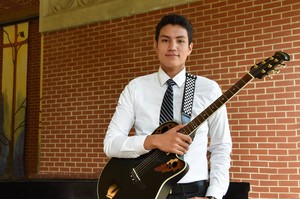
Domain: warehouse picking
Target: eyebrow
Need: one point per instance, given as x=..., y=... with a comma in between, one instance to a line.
x=178, y=37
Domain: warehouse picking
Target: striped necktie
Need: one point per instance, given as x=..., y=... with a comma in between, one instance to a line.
x=166, y=111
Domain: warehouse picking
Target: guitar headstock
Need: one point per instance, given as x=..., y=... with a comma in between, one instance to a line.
x=261, y=69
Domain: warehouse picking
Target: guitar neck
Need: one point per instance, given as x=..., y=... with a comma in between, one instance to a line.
x=191, y=127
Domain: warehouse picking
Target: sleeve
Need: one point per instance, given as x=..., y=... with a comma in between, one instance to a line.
x=117, y=142
x=220, y=149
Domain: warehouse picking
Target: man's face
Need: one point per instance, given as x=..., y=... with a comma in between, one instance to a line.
x=173, y=48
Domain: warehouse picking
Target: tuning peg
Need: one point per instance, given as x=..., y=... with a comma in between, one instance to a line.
x=276, y=71
x=270, y=76
x=283, y=65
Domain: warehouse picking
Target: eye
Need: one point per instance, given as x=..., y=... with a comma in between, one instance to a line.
x=181, y=41
x=164, y=40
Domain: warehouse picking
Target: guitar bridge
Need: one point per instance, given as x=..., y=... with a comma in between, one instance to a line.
x=136, y=180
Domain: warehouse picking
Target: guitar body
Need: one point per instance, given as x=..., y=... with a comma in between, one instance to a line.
x=150, y=176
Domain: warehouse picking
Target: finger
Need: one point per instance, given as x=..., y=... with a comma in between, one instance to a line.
x=179, y=126
x=184, y=145
x=180, y=150
x=185, y=138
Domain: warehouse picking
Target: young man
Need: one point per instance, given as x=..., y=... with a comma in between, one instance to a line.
x=140, y=104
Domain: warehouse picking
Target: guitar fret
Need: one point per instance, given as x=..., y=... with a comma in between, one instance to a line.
x=187, y=129
x=245, y=82
x=233, y=89
x=221, y=100
x=227, y=94
x=197, y=121
x=218, y=104
x=206, y=114
x=191, y=127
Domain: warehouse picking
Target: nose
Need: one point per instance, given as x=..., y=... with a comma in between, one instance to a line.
x=172, y=46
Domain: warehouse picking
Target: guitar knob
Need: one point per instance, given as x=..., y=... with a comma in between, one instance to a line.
x=270, y=76
x=283, y=65
x=276, y=71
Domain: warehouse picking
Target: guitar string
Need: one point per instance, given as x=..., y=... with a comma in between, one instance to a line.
x=149, y=162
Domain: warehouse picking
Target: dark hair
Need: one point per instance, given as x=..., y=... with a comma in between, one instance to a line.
x=175, y=19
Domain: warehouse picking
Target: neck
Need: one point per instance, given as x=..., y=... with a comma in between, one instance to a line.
x=171, y=72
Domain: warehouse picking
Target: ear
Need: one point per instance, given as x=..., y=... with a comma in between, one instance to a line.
x=190, y=48
x=155, y=46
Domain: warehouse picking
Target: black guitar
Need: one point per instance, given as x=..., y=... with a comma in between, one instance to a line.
x=152, y=176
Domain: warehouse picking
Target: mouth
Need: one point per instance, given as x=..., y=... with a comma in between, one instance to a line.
x=171, y=55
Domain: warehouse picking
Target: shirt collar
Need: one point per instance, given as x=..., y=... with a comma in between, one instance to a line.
x=179, y=78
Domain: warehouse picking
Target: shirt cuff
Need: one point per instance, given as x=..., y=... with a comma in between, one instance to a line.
x=215, y=192
x=139, y=144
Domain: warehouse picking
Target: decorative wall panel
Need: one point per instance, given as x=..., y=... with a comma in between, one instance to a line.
x=59, y=14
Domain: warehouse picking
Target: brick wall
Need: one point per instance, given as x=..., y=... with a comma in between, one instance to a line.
x=86, y=68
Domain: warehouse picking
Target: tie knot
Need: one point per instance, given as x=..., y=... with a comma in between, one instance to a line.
x=171, y=83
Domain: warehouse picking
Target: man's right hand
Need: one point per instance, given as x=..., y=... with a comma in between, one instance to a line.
x=171, y=141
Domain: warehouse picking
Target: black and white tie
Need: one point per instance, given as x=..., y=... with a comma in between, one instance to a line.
x=166, y=111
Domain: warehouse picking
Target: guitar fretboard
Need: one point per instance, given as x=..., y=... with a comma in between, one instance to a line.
x=190, y=128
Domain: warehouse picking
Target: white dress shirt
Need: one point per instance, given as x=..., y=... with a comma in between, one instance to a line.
x=139, y=107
